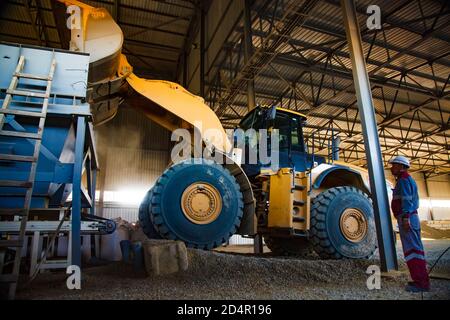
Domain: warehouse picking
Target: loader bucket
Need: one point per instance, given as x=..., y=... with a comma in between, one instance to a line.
x=170, y=100
x=103, y=40
x=94, y=31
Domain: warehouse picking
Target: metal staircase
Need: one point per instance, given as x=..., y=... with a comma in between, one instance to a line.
x=21, y=214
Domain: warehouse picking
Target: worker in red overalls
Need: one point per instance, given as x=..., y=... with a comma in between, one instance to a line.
x=405, y=202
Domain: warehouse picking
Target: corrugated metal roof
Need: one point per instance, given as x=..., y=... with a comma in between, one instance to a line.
x=325, y=25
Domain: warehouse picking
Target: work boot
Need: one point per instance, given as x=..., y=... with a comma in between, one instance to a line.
x=414, y=288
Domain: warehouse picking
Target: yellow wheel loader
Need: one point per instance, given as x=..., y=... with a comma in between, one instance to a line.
x=300, y=205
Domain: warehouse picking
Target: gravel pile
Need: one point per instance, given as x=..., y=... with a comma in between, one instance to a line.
x=214, y=275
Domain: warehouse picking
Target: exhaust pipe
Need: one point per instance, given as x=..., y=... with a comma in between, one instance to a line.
x=335, y=148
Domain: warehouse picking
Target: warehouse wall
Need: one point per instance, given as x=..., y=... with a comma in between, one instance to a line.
x=434, y=196
x=133, y=152
x=439, y=195
x=126, y=212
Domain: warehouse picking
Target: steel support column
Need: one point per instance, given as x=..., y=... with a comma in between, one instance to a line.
x=76, y=191
x=248, y=52
x=258, y=247
x=385, y=235
x=185, y=68
x=427, y=190
x=202, y=50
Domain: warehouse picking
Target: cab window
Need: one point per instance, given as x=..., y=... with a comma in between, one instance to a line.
x=252, y=120
x=290, y=130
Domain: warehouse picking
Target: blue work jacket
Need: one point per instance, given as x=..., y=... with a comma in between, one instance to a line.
x=405, y=198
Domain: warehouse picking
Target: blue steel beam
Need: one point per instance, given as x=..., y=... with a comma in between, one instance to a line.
x=385, y=235
x=44, y=151
x=92, y=194
x=76, y=191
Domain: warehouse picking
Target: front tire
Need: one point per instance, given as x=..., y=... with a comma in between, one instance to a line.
x=198, y=202
x=342, y=224
x=145, y=218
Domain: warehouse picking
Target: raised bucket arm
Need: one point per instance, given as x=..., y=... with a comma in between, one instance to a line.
x=167, y=103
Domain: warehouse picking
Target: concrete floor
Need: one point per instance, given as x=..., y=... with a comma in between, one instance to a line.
x=241, y=275
x=432, y=247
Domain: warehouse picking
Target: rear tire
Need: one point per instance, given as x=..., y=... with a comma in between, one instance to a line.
x=331, y=235
x=145, y=218
x=299, y=247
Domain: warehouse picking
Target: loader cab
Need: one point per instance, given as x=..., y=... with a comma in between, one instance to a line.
x=292, y=150
x=290, y=130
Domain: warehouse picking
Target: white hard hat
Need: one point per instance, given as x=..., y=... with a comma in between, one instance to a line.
x=401, y=160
